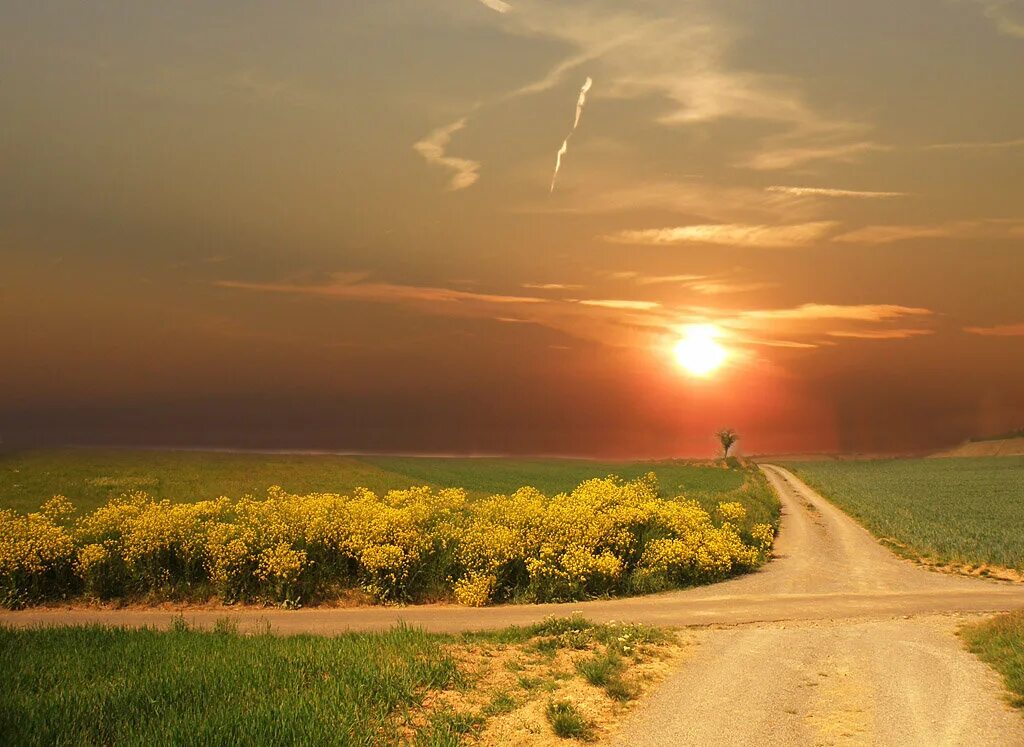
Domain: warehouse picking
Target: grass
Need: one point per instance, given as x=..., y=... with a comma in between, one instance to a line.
x=567, y=721
x=102, y=685
x=1000, y=642
x=90, y=477
x=95, y=685
x=963, y=511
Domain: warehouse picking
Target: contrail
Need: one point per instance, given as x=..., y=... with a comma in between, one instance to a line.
x=576, y=122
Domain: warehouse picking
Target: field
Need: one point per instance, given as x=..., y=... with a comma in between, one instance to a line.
x=90, y=477
x=407, y=530
x=107, y=685
x=1000, y=642
x=966, y=512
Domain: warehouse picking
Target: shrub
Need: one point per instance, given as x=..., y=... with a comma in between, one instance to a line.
x=605, y=537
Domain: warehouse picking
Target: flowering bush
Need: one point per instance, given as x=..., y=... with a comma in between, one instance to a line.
x=605, y=537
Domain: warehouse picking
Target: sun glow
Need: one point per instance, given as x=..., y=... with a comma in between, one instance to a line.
x=698, y=352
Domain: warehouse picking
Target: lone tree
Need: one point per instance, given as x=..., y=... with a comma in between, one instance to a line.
x=727, y=437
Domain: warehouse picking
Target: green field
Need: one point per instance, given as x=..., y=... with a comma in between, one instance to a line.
x=1000, y=642
x=91, y=477
x=963, y=511
x=95, y=685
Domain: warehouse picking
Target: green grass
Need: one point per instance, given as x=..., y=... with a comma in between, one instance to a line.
x=106, y=686
x=600, y=669
x=99, y=685
x=1000, y=643
x=90, y=477
x=963, y=511
x=567, y=721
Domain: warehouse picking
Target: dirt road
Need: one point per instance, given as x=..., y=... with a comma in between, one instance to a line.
x=836, y=641
x=895, y=678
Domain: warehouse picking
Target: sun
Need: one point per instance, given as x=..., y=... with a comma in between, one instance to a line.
x=698, y=352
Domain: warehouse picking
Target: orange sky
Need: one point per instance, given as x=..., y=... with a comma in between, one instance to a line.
x=340, y=226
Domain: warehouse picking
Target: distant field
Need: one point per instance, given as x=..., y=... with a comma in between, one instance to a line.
x=963, y=511
x=91, y=477
x=116, y=686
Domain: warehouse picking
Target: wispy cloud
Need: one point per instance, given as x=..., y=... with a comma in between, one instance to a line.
x=788, y=157
x=968, y=229
x=823, y=324
x=881, y=334
x=702, y=284
x=679, y=56
x=348, y=286
x=614, y=303
x=856, y=312
x=715, y=288
x=831, y=192
x=580, y=103
x=663, y=279
x=552, y=286
x=497, y=5
x=797, y=234
x=998, y=330
x=623, y=321
x=433, y=149
x=1007, y=15
x=978, y=145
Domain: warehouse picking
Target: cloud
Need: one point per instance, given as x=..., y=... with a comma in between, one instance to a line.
x=580, y=102
x=348, y=286
x=830, y=192
x=967, y=229
x=787, y=157
x=679, y=56
x=729, y=234
x=433, y=148
x=618, y=322
x=712, y=287
x=551, y=286
x=1007, y=15
x=497, y=5
x=857, y=312
x=662, y=279
x=978, y=145
x=999, y=330
x=702, y=284
x=621, y=304
x=882, y=334
x=615, y=322
x=700, y=201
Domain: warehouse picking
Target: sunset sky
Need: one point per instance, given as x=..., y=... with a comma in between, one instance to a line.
x=338, y=225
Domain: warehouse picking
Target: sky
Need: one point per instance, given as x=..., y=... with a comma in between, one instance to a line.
x=340, y=225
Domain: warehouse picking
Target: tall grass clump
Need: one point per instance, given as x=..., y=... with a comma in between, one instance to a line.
x=607, y=536
x=567, y=721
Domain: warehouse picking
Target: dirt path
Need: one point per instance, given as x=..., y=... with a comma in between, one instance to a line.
x=896, y=678
x=836, y=641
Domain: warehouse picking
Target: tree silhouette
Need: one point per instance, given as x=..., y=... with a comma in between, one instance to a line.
x=727, y=437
